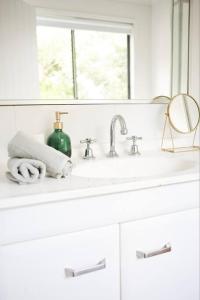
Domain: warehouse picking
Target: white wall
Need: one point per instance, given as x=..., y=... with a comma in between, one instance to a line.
x=142, y=120
x=194, y=74
x=18, y=54
x=161, y=47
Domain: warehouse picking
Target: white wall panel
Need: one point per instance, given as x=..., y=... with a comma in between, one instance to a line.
x=18, y=55
x=194, y=75
x=161, y=47
x=142, y=119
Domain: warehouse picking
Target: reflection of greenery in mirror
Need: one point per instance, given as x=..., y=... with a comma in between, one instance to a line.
x=96, y=69
x=55, y=68
x=101, y=65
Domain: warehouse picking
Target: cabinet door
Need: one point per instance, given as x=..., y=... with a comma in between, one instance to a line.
x=160, y=258
x=78, y=266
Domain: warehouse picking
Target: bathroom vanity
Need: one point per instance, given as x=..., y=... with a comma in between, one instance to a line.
x=86, y=238
x=120, y=228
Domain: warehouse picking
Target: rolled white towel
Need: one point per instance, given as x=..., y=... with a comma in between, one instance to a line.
x=22, y=145
x=23, y=170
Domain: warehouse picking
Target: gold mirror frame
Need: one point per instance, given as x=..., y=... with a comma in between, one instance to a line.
x=170, y=120
x=160, y=99
x=168, y=123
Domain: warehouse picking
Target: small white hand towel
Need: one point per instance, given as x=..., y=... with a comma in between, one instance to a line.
x=24, y=146
x=23, y=170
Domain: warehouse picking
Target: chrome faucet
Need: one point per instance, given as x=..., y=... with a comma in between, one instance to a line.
x=124, y=131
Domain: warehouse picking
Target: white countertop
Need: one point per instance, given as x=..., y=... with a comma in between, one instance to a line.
x=13, y=195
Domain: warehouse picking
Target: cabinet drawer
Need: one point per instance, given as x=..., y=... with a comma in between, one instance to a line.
x=160, y=258
x=78, y=266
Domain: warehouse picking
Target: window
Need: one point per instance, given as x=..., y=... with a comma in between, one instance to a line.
x=55, y=67
x=84, y=60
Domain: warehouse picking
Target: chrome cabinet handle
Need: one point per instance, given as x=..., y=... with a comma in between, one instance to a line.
x=166, y=248
x=74, y=273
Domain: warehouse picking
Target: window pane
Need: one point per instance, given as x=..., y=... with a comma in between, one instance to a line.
x=101, y=65
x=55, y=62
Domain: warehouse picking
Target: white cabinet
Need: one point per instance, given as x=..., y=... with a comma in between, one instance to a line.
x=160, y=258
x=77, y=266
x=157, y=256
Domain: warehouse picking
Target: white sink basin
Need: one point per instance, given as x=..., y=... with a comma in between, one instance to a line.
x=131, y=167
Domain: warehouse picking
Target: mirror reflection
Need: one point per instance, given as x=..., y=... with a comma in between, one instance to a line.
x=180, y=53
x=121, y=50
x=184, y=113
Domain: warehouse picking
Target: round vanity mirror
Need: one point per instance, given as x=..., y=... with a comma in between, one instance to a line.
x=184, y=113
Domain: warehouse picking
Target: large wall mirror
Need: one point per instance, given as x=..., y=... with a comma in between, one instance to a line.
x=118, y=50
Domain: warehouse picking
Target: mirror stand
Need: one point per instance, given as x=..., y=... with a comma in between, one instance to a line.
x=173, y=148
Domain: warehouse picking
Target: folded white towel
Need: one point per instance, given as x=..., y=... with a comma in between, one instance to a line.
x=23, y=170
x=23, y=146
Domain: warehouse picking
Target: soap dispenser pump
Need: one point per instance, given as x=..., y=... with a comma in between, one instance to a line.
x=58, y=139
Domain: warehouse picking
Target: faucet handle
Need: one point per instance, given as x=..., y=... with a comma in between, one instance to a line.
x=134, y=138
x=88, y=151
x=134, y=148
x=88, y=141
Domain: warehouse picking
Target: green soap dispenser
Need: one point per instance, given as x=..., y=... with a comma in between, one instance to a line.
x=58, y=139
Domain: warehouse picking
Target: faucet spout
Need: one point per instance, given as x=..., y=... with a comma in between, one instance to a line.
x=124, y=131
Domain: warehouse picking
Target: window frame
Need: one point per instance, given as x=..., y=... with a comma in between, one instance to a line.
x=60, y=22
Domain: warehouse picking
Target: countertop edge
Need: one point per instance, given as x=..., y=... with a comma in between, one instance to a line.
x=102, y=190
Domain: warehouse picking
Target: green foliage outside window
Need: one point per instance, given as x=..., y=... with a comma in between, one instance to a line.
x=101, y=64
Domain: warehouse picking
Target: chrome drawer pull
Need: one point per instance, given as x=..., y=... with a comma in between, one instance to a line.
x=74, y=273
x=166, y=248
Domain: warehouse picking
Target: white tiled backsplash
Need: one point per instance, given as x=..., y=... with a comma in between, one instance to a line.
x=83, y=121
